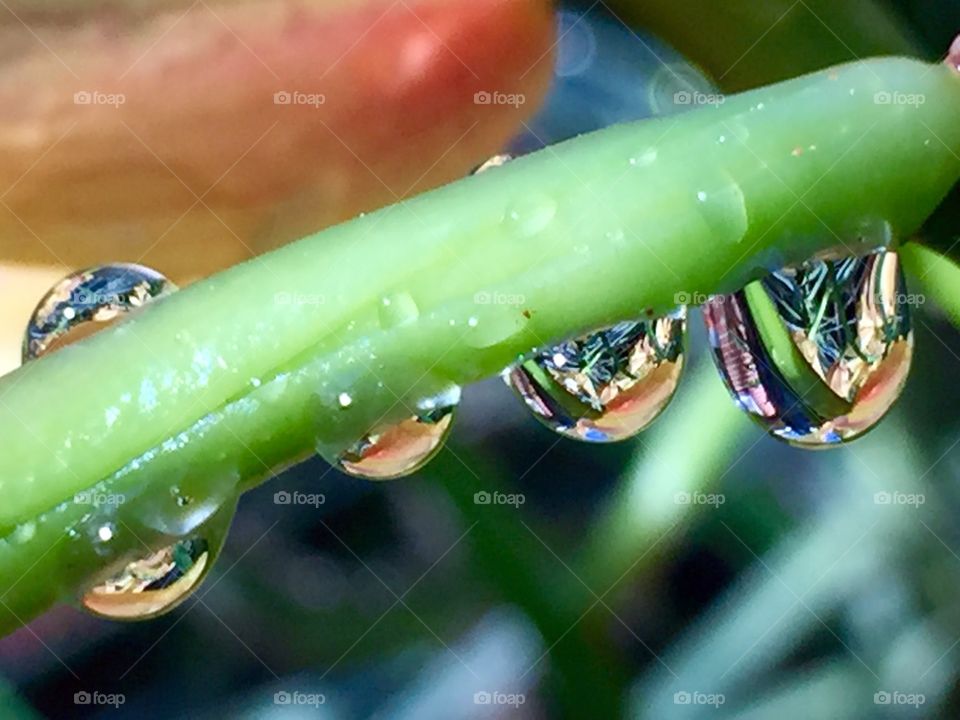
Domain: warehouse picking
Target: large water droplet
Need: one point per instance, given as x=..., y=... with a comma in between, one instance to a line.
x=608, y=385
x=157, y=582
x=393, y=450
x=817, y=353
x=83, y=302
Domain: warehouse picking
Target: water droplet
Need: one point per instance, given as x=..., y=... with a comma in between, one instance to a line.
x=530, y=214
x=818, y=353
x=345, y=400
x=397, y=309
x=83, y=302
x=156, y=582
x=608, y=385
x=645, y=158
x=397, y=449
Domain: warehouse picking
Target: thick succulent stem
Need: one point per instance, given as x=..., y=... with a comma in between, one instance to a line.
x=215, y=387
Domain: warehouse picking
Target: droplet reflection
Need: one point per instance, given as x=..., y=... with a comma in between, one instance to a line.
x=817, y=353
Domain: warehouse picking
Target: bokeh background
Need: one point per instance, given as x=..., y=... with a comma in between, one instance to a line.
x=699, y=570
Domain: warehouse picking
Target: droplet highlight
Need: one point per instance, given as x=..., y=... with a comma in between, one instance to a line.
x=818, y=353
x=608, y=385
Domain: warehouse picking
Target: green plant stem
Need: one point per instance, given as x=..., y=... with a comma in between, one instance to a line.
x=769, y=41
x=938, y=277
x=215, y=387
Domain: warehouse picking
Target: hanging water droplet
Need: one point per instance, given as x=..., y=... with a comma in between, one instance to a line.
x=817, y=353
x=402, y=448
x=608, y=385
x=84, y=301
x=156, y=582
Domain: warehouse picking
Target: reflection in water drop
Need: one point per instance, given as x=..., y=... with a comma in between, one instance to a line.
x=402, y=448
x=608, y=385
x=494, y=162
x=156, y=582
x=78, y=305
x=817, y=353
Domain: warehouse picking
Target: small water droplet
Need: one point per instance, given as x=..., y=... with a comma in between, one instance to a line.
x=530, y=214
x=615, y=236
x=85, y=301
x=608, y=385
x=345, y=400
x=397, y=309
x=645, y=158
x=25, y=532
x=401, y=448
x=702, y=196
x=817, y=353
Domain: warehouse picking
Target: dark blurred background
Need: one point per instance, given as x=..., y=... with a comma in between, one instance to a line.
x=700, y=570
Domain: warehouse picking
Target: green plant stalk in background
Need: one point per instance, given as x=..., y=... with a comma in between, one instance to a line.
x=213, y=388
x=769, y=41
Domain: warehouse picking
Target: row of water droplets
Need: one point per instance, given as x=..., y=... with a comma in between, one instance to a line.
x=816, y=353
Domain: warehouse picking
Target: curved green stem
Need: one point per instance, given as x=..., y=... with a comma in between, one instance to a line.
x=938, y=275
x=216, y=386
